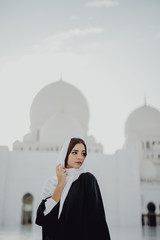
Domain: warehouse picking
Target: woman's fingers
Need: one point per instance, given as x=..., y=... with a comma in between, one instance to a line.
x=58, y=166
x=60, y=169
x=63, y=171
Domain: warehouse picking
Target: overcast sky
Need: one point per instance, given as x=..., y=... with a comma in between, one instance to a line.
x=108, y=49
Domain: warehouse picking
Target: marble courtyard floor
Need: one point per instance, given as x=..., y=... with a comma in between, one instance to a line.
x=34, y=233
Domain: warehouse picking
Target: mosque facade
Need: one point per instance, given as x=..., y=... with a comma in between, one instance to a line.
x=129, y=179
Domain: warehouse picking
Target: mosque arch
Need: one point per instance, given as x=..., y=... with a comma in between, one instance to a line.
x=151, y=214
x=27, y=209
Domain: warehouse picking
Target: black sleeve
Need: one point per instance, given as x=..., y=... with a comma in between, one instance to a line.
x=95, y=220
x=46, y=220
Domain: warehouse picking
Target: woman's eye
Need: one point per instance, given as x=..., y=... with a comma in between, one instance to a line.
x=74, y=152
x=83, y=154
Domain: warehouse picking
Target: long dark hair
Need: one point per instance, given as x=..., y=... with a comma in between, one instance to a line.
x=72, y=143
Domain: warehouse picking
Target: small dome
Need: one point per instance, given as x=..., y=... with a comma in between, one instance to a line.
x=29, y=137
x=55, y=98
x=58, y=128
x=143, y=122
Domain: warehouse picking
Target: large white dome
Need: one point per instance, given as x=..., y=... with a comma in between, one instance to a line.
x=55, y=98
x=58, y=111
x=143, y=122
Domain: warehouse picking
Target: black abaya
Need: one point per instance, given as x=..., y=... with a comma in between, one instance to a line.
x=82, y=216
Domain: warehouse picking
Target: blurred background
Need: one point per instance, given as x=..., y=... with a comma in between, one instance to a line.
x=97, y=62
x=110, y=50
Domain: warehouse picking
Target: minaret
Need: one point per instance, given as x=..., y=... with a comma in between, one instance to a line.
x=145, y=101
x=60, y=79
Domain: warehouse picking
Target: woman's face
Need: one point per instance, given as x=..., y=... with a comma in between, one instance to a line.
x=76, y=156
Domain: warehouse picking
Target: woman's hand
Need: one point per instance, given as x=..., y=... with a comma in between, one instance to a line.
x=61, y=174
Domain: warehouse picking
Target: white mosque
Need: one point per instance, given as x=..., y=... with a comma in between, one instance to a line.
x=129, y=179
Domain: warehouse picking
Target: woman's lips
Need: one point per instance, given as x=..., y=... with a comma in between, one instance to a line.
x=79, y=162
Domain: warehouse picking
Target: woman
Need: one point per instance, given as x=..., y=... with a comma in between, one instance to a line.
x=72, y=207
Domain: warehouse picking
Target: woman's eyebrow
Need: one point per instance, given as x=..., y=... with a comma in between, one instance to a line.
x=78, y=150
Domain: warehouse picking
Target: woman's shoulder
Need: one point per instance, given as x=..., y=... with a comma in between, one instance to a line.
x=89, y=177
x=89, y=182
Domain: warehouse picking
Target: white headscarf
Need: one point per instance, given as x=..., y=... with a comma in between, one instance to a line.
x=72, y=175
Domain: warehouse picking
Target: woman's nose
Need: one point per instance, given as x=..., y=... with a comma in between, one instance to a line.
x=79, y=156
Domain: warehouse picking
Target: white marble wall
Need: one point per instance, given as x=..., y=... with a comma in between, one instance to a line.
x=117, y=175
